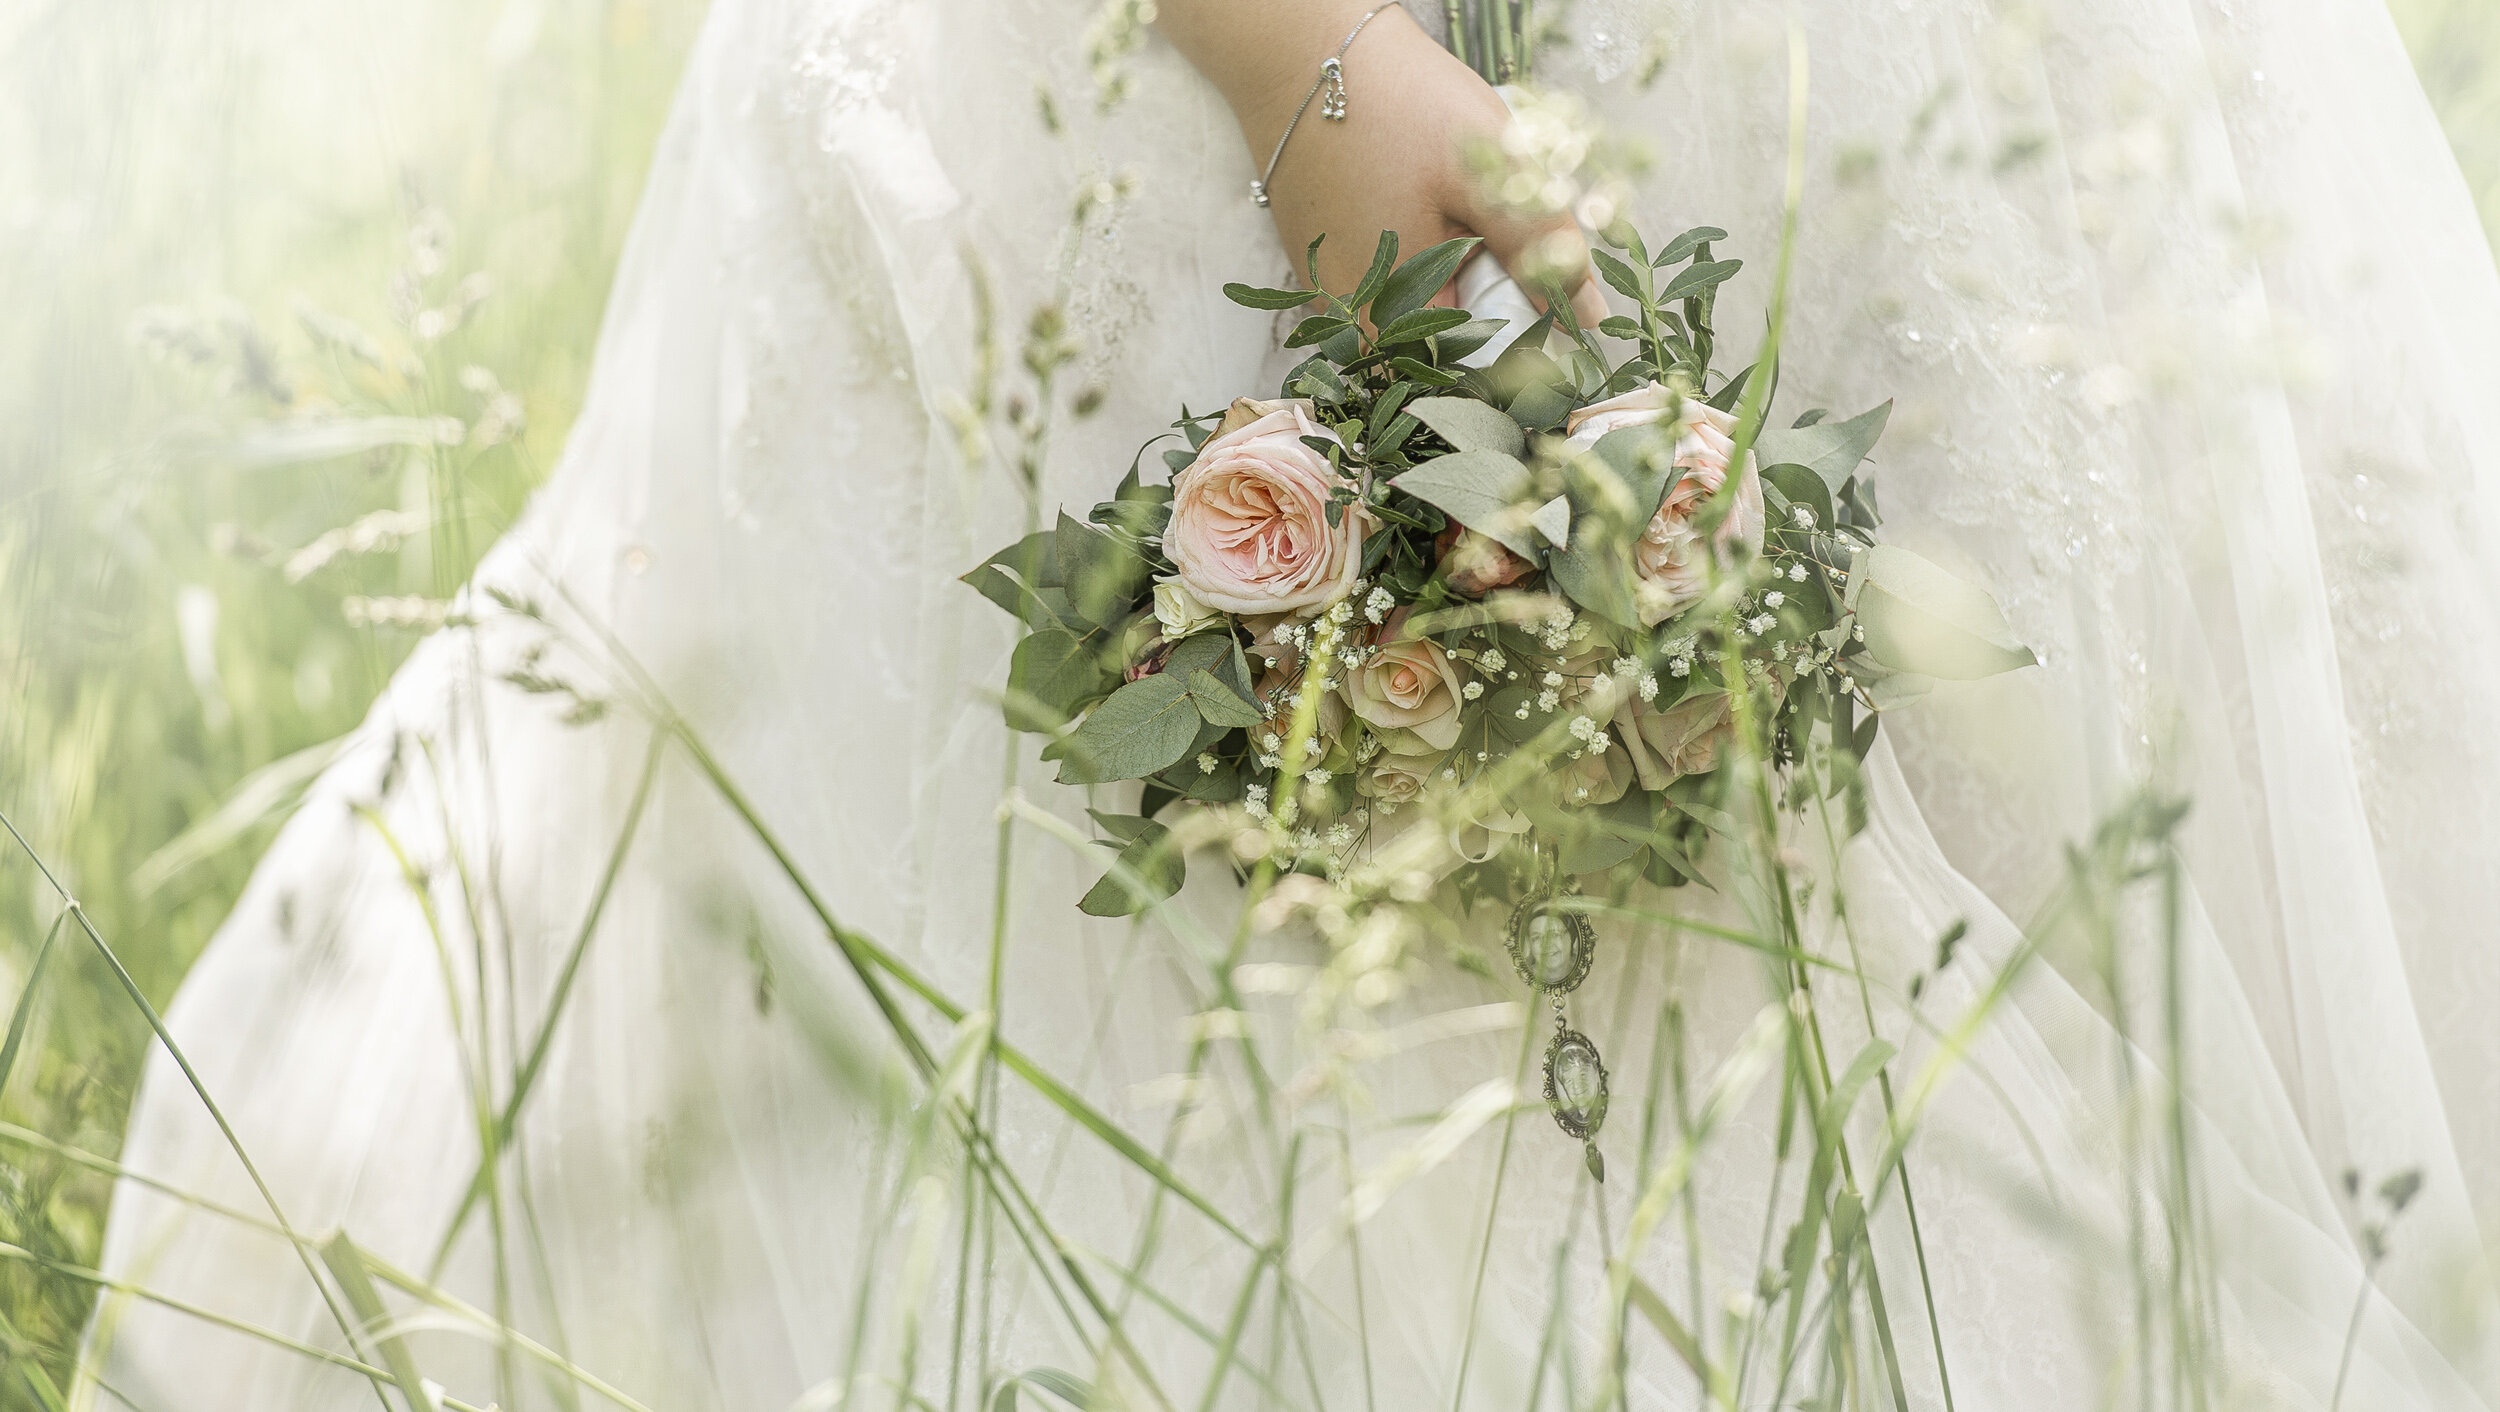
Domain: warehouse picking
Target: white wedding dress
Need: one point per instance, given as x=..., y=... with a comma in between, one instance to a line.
x=2196, y=348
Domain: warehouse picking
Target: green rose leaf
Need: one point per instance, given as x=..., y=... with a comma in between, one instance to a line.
x=1832, y=450
x=1482, y=490
x=1157, y=868
x=1141, y=728
x=1414, y=283
x=1471, y=425
x=1924, y=621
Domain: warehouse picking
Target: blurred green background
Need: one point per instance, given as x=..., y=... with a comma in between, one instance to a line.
x=223, y=223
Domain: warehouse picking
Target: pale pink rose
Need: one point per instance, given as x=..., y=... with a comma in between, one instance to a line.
x=1597, y=777
x=1396, y=779
x=1670, y=558
x=1684, y=739
x=1409, y=686
x=1476, y=564
x=1250, y=530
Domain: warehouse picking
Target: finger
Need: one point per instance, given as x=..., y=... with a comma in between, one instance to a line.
x=1543, y=253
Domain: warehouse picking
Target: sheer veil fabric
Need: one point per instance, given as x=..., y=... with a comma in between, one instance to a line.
x=2194, y=341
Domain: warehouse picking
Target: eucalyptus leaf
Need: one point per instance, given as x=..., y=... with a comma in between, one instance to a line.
x=1542, y=406
x=1141, y=728
x=1215, y=653
x=1023, y=578
x=1122, y=827
x=1596, y=579
x=1101, y=573
x=1798, y=486
x=1832, y=450
x=1597, y=850
x=1470, y=425
x=1553, y=520
x=1643, y=461
x=1218, y=704
x=1053, y=673
x=1154, y=869
x=1482, y=490
x=1920, y=619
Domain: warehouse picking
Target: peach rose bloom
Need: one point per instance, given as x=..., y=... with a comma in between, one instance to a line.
x=1407, y=689
x=1597, y=777
x=1684, y=739
x=1476, y=564
x=1392, y=778
x=1249, y=530
x=1670, y=557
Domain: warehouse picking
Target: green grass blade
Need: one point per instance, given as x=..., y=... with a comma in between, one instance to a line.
x=24, y=1011
x=526, y=1076
x=182, y=1061
x=347, y=1266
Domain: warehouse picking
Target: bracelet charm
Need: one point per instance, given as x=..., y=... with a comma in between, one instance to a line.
x=1329, y=89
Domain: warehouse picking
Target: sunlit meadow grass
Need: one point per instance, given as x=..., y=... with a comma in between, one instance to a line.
x=214, y=214
x=401, y=212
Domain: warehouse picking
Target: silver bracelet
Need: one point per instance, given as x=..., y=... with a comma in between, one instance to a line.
x=1332, y=79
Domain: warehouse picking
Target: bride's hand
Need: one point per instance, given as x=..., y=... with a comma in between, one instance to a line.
x=1398, y=162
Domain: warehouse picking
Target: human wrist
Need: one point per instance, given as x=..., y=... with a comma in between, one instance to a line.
x=1270, y=78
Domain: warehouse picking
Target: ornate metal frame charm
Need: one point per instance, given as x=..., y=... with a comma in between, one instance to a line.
x=1572, y=1055
x=1550, y=948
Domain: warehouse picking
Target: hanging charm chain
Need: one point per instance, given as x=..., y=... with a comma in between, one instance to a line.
x=1329, y=89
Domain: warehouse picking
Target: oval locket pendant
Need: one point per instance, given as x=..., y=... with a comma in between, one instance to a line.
x=1550, y=947
x=1575, y=1084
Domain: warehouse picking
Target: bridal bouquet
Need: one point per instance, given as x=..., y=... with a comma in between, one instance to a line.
x=1484, y=577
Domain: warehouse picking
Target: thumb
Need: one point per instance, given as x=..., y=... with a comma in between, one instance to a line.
x=1545, y=254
